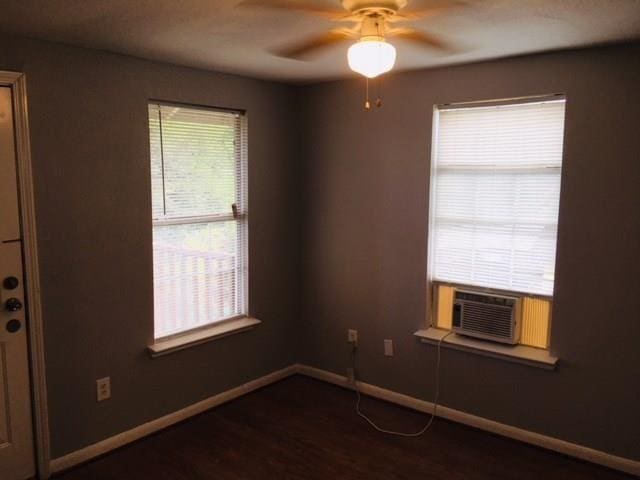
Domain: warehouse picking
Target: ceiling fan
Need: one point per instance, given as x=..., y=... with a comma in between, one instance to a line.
x=373, y=22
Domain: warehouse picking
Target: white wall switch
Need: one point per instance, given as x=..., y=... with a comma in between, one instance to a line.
x=103, y=388
x=352, y=336
x=388, y=348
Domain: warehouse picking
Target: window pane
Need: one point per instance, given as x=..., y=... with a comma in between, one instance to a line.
x=517, y=135
x=194, y=155
x=508, y=257
x=484, y=196
x=495, y=195
x=157, y=189
x=198, y=171
x=198, y=272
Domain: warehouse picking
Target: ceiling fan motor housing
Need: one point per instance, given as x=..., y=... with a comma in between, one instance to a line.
x=389, y=7
x=373, y=27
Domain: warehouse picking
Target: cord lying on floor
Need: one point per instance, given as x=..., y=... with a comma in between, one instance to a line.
x=435, y=397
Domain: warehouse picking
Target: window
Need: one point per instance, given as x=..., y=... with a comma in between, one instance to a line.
x=495, y=189
x=199, y=209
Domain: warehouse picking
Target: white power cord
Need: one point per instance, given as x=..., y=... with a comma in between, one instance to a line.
x=435, y=397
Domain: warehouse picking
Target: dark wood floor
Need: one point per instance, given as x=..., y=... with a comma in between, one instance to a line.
x=305, y=429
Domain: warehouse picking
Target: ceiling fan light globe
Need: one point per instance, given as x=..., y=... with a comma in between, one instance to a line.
x=371, y=57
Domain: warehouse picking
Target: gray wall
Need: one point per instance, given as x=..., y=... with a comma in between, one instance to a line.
x=362, y=187
x=88, y=116
x=365, y=244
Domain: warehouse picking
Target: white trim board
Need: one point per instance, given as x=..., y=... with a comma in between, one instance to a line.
x=18, y=83
x=550, y=443
x=533, y=357
x=199, y=336
x=567, y=448
x=87, y=453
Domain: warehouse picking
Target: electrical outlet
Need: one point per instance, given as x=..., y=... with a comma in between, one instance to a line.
x=388, y=348
x=103, y=389
x=352, y=337
x=351, y=376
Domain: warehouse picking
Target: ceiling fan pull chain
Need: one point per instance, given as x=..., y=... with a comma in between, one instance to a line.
x=367, y=103
x=378, y=90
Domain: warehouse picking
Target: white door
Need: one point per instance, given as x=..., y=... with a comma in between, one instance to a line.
x=16, y=437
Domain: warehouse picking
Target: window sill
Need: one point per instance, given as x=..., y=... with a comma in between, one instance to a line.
x=531, y=356
x=197, y=337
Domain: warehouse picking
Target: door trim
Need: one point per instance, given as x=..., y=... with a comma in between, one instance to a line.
x=18, y=84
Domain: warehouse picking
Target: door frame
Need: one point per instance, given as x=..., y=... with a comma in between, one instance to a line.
x=18, y=84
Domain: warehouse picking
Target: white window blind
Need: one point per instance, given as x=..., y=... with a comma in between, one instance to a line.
x=495, y=187
x=199, y=208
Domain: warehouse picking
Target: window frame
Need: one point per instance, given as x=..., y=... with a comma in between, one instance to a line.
x=431, y=311
x=234, y=323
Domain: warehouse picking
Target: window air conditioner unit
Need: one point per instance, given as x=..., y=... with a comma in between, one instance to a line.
x=487, y=316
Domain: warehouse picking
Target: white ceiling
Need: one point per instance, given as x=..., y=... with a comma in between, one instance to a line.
x=214, y=35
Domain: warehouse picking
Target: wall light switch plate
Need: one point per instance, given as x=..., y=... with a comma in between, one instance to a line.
x=103, y=389
x=388, y=348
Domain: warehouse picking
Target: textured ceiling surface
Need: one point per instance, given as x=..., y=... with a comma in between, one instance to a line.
x=218, y=35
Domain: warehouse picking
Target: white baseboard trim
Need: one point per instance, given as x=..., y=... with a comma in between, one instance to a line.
x=561, y=446
x=567, y=448
x=85, y=454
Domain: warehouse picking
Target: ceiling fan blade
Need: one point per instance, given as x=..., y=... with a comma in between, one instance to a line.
x=309, y=6
x=348, y=18
x=421, y=38
x=421, y=14
x=314, y=44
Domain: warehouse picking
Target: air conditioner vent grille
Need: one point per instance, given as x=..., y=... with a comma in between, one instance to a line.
x=492, y=317
x=489, y=319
